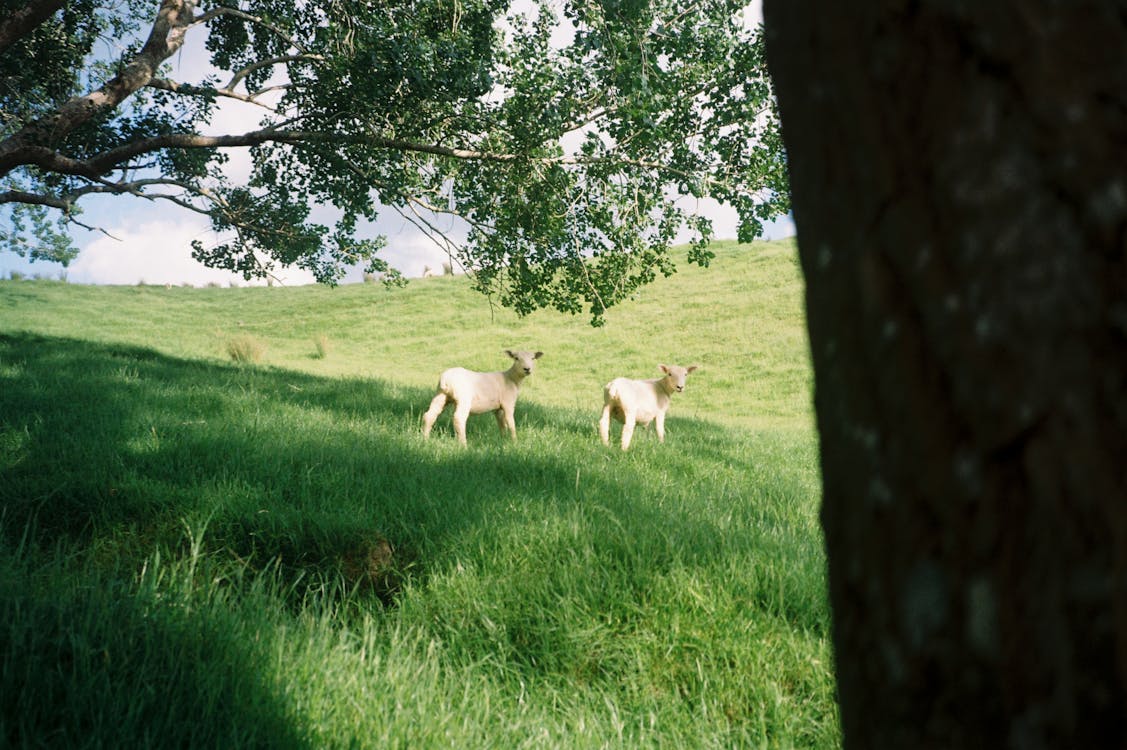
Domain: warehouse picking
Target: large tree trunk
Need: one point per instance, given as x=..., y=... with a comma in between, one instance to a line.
x=959, y=181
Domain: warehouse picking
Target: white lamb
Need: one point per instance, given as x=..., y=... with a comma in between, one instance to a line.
x=478, y=392
x=641, y=401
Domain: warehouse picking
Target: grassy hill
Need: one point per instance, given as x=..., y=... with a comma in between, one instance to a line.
x=741, y=319
x=201, y=552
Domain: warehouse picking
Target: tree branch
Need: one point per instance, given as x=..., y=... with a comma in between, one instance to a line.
x=27, y=146
x=52, y=161
x=102, y=163
x=35, y=199
x=92, y=168
x=240, y=75
x=109, y=159
x=189, y=89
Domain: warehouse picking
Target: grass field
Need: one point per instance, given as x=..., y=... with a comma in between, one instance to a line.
x=196, y=552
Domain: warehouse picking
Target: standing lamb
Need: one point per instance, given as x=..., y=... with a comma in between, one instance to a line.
x=478, y=392
x=641, y=401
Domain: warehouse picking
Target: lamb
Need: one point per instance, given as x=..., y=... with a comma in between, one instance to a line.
x=478, y=392
x=641, y=401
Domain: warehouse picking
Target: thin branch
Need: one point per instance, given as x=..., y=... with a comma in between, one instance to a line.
x=593, y=116
x=270, y=89
x=68, y=200
x=435, y=235
x=188, y=89
x=240, y=75
x=479, y=225
x=136, y=187
x=76, y=222
x=64, y=204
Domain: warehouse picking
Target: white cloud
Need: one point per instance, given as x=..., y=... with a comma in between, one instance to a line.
x=230, y=116
x=754, y=12
x=779, y=228
x=156, y=252
x=411, y=252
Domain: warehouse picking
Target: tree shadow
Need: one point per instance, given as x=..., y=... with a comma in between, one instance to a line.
x=86, y=666
x=111, y=452
x=120, y=442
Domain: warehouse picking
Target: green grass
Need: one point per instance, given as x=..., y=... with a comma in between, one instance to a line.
x=197, y=552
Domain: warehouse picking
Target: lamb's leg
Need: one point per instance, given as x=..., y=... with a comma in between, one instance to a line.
x=659, y=425
x=437, y=404
x=461, y=414
x=508, y=423
x=627, y=429
x=604, y=425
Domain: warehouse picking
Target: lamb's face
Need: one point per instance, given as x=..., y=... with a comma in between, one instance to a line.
x=525, y=362
x=675, y=376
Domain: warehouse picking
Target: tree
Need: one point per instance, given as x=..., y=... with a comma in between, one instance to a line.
x=957, y=173
x=562, y=140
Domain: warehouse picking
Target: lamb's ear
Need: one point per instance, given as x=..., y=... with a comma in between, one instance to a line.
x=538, y=355
x=664, y=368
x=510, y=353
x=690, y=368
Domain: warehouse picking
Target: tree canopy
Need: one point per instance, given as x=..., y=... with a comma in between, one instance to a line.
x=563, y=132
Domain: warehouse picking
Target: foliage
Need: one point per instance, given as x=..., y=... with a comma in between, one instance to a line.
x=562, y=135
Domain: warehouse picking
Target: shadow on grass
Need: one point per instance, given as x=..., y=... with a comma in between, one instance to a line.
x=128, y=446
x=84, y=664
x=111, y=453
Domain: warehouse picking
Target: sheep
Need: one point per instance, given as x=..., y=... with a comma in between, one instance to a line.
x=427, y=272
x=641, y=401
x=478, y=392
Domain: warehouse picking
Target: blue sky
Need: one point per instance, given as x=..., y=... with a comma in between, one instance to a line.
x=149, y=241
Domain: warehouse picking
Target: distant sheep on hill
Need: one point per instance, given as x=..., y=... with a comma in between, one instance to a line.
x=641, y=401
x=478, y=392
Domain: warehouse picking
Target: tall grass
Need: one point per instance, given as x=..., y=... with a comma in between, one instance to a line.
x=245, y=349
x=322, y=346
x=201, y=554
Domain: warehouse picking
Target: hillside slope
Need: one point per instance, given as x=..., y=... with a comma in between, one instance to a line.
x=741, y=320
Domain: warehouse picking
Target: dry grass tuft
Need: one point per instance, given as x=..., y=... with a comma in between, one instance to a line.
x=323, y=346
x=245, y=349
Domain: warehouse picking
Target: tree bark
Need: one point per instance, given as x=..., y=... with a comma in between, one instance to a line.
x=958, y=181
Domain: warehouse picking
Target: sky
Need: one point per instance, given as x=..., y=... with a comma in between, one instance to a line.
x=149, y=241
